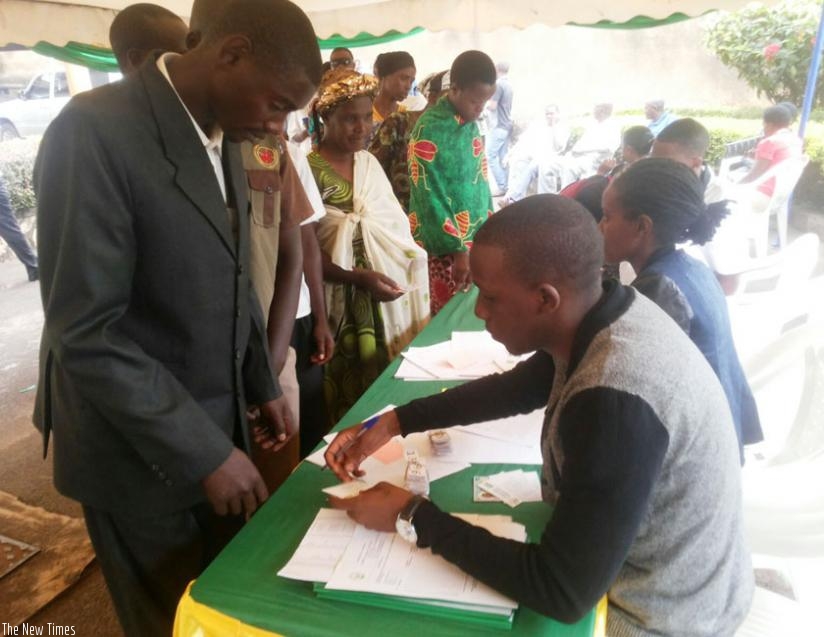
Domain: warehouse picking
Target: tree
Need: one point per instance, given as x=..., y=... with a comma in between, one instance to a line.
x=770, y=47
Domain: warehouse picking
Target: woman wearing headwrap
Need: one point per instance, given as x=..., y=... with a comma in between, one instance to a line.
x=389, y=143
x=396, y=74
x=377, y=291
x=650, y=208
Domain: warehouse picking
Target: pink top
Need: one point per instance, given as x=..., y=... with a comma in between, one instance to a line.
x=779, y=146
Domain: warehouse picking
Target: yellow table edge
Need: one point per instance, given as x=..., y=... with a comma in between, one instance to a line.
x=193, y=619
x=198, y=620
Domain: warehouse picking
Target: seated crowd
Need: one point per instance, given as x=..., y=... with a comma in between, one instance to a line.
x=198, y=351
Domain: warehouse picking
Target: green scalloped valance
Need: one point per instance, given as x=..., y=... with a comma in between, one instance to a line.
x=102, y=59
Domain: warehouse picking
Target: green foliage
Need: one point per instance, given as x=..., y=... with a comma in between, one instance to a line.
x=730, y=127
x=726, y=130
x=814, y=146
x=16, y=167
x=742, y=112
x=770, y=47
x=737, y=112
x=723, y=131
x=719, y=137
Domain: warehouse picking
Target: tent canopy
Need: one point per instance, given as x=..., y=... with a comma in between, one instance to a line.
x=57, y=22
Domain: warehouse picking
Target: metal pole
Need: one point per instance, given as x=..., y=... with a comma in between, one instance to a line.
x=812, y=76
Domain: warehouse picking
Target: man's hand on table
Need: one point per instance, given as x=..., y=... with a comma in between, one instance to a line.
x=376, y=508
x=235, y=486
x=273, y=424
x=345, y=460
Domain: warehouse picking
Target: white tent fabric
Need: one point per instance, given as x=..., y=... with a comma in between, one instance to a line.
x=26, y=22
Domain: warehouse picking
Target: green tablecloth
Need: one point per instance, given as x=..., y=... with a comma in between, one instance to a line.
x=242, y=581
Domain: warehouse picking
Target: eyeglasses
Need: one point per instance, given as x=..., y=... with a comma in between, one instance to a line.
x=341, y=62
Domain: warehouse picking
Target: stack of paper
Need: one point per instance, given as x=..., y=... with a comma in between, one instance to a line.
x=510, y=487
x=370, y=567
x=466, y=355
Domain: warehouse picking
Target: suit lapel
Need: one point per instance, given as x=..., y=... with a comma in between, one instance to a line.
x=236, y=176
x=237, y=190
x=183, y=148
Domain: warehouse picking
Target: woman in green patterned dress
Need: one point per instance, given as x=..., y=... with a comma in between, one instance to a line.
x=449, y=196
x=376, y=280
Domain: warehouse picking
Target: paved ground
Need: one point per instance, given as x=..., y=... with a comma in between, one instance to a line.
x=23, y=472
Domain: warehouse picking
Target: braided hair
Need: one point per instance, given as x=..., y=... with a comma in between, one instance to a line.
x=672, y=196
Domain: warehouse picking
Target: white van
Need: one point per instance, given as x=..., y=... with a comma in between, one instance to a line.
x=40, y=102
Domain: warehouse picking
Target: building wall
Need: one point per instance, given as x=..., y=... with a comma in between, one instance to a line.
x=577, y=66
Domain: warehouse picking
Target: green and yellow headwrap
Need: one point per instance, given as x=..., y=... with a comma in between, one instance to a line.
x=341, y=85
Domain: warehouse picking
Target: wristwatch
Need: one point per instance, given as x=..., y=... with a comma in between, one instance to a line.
x=403, y=525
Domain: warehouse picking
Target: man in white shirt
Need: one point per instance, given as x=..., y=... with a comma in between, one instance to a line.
x=599, y=141
x=658, y=117
x=542, y=141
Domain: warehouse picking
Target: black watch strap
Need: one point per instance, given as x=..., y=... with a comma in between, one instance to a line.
x=408, y=512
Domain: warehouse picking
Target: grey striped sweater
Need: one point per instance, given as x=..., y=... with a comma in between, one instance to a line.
x=641, y=466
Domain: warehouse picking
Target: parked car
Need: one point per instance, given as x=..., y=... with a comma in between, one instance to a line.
x=35, y=107
x=43, y=98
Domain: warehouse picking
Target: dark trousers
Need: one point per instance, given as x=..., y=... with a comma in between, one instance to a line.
x=314, y=418
x=148, y=561
x=11, y=234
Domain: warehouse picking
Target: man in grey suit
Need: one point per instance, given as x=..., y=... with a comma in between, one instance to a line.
x=152, y=348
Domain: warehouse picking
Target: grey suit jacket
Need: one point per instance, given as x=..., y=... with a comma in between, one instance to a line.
x=151, y=346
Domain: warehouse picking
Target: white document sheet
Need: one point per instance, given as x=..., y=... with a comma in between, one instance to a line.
x=436, y=362
x=347, y=489
x=513, y=487
x=321, y=547
x=465, y=356
x=523, y=429
x=472, y=449
x=384, y=563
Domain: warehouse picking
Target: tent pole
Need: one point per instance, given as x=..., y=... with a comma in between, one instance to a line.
x=812, y=76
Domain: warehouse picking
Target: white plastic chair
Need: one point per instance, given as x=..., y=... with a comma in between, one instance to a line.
x=787, y=380
x=786, y=175
x=773, y=615
x=775, y=295
x=783, y=499
x=783, y=272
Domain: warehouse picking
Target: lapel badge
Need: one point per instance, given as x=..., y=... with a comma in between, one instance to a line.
x=265, y=156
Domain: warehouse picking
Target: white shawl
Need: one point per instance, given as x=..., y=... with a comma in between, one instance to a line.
x=389, y=247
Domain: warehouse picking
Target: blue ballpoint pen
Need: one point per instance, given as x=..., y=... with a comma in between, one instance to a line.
x=367, y=425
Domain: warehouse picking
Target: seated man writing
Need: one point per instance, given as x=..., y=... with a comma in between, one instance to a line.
x=640, y=460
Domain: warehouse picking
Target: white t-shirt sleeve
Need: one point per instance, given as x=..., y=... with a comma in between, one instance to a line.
x=308, y=182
